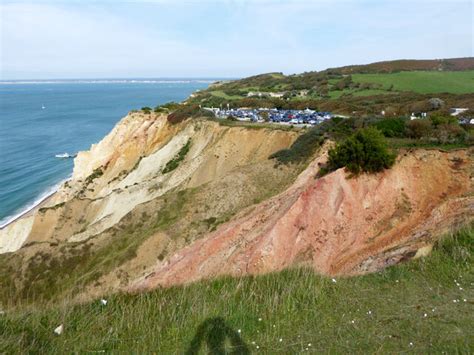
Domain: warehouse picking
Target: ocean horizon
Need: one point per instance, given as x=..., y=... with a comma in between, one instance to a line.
x=43, y=118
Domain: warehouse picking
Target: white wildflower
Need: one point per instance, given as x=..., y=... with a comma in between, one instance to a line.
x=334, y=280
x=239, y=331
x=59, y=329
x=425, y=315
x=280, y=340
x=259, y=319
x=411, y=344
x=104, y=302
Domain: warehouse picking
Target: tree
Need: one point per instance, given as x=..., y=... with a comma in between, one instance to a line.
x=364, y=151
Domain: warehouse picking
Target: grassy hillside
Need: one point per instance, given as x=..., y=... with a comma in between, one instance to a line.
x=424, y=306
x=392, y=66
x=397, y=84
x=424, y=82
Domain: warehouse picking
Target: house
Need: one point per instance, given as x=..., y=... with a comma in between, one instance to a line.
x=417, y=115
x=277, y=94
x=457, y=110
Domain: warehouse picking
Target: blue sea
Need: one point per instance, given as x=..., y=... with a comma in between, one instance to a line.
x=39, y=119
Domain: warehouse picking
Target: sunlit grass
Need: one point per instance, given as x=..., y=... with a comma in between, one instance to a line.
x=424, y=82
x=423, y=306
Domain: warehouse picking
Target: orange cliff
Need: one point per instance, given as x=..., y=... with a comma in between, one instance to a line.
x=335, y=224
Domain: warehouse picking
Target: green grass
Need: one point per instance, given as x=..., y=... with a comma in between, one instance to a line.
x=174, y=163
x=302, y=148
x=407, y=308
x=335, y=94
x=397, y=143
x=222, y=94
x=424, y=82
x=253, y=125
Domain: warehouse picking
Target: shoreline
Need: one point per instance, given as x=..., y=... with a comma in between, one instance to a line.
x=28, y=211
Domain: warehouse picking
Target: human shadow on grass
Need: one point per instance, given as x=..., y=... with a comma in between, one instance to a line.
x=214, y=332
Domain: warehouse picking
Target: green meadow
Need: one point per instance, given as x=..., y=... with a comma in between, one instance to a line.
x=422, y=306
x=424, y=82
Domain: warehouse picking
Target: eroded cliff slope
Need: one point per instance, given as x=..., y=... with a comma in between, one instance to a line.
x=156, y=204
x=336, y=224
x=125, y=208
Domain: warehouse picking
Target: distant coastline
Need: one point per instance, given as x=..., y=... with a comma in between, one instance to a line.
x=114, y=81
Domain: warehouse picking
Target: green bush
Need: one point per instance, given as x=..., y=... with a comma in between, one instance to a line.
x=184, y=112
x=419, y=128
x=302, y=148
x=173, y=163
x=146, y=109
x=440, y=119
x=167, y=107
x=391, y=127
x=364, y=151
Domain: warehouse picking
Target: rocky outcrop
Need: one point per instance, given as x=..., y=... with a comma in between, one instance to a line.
x=337, y=224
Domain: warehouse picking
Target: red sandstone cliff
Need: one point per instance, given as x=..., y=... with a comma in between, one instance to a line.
x=336, y=224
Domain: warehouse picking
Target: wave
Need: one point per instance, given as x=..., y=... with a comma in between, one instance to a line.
x=24, y=210
x=111, y=81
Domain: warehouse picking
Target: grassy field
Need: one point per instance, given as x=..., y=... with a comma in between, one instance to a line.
x=423, y=306
x=423, y=82
x=220, y=93
x=335, y=94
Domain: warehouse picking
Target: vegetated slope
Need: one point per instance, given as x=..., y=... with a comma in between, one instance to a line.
x=391, y=66
x=122, y=210
x=337, y=225
x=423, y=306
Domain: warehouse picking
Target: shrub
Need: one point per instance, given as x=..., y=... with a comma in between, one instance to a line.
x=98, y=172
x=167, y=107
x=184, y=112
x=364, y=151
x=419, y=128
x=450, y=133
x=440, y=119
x=391, y=127
x=146, y=109
x=302, y=148
x=173, y=163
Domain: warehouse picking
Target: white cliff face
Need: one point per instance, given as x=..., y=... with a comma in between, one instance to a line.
x=125, y=169
x=135, y=135
x=14, y=235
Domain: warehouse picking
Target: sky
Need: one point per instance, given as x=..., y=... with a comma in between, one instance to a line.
x=219, y=39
